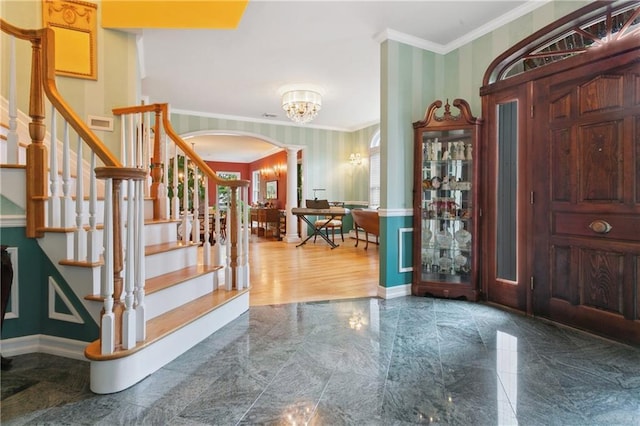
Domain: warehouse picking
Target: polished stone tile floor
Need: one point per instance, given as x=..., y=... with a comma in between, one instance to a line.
x=354, y=362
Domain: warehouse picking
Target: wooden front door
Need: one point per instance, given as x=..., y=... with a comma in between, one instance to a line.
x=586, y=211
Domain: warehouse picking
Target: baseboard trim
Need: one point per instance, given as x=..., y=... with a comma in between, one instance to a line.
x=40, y=343
x=395, y=291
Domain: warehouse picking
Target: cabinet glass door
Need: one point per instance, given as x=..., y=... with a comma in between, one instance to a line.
x=445, y=191
x=447, y=170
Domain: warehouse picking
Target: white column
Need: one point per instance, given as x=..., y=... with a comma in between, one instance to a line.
x=54, y=198
x=292, y=195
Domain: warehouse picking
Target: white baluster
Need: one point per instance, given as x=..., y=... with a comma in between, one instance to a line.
x=66, y=214
x=93, y=245
x=13, y=146
x=175, y=202
x=54, y=197
x=195, y=226
x=143, y=135
x=129, y=315
x=227, y=272
x=107, y=323
x=141, y=314
x=147, y=144
x=79, y=234
x=245, y=235
x=185, y=200
x=165, y=177
x=131, y=141
x=123, y=139
x=206, y=247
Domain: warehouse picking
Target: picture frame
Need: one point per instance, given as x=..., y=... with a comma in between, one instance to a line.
x=74, y=23
x=272, y=190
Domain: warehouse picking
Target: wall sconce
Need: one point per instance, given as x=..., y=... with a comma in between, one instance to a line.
x=278, y=169
x=355, y=159
x=264, y=173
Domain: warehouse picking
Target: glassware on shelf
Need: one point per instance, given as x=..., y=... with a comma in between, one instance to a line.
x=444, y=239
x=426, y=236
x=445, y=264
x=460, y=261
x=463, y=237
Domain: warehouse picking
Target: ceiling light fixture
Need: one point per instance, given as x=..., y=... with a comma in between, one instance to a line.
x=301, y=106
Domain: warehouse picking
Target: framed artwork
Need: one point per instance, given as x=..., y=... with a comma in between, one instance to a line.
x=74, y=23
x=272, y=190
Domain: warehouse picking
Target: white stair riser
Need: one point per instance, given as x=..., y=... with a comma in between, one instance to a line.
x=156, y=233
x=163, y=301
x=57, y=245
x=14, y=186
x=118, y=374
x=84, y=281
x=162, y=263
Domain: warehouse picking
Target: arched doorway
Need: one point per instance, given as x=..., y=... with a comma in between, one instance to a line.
x=265, y=162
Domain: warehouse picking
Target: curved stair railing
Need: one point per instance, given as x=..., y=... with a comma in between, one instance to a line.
x=161, y=148
x=56, y=194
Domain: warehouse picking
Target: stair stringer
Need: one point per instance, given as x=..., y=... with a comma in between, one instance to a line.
x=114, y=375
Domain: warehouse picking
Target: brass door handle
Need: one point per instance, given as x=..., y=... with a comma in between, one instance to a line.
x=600, y=226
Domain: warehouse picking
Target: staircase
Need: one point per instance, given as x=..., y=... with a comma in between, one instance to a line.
x=113, y=232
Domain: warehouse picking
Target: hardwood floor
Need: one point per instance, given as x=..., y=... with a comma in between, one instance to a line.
x=283, y=273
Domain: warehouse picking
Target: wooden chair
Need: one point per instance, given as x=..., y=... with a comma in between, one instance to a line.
x=333, y=224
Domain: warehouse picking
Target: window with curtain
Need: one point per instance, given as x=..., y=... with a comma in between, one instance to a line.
x=374, y=171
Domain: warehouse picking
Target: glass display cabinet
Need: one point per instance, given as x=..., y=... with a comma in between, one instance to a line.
x=445, y=254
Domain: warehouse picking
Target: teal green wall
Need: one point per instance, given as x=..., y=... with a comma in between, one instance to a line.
x=389, y=259
x=34, y=269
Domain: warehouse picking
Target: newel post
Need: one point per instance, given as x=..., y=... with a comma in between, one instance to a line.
x=116, y=252
x=36, y=151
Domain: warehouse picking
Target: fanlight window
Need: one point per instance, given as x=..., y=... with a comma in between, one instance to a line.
x=618, y=21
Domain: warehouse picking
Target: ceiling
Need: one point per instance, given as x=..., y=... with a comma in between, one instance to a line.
x=334, y=45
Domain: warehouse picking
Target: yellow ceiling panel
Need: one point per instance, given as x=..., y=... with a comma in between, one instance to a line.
x=172, y=14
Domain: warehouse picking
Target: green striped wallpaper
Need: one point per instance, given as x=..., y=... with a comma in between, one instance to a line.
x=325, y=152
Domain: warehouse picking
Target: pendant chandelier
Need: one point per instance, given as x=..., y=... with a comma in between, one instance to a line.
x=301, y=106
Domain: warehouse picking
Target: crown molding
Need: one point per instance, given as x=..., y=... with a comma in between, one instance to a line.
x=390, y=34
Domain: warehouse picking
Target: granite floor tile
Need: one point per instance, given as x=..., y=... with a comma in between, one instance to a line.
x=402, y=361
x=339, y=405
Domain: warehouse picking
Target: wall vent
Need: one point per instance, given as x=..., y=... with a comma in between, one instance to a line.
x=101, y=123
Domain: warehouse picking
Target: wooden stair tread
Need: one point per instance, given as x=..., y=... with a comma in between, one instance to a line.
x=167, y=280
x=175, y=277
x=162, y=247
x=164, y=324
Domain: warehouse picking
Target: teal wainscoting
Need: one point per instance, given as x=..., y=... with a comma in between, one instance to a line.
x=396, y=250
x=34, y=271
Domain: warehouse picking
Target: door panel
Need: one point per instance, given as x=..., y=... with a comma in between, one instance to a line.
x=586, y=217
x=505, y=199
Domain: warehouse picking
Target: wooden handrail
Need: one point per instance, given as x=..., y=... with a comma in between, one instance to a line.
x=20, y=32
x=184, y=147
x=47, y=40
x=50, y=88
